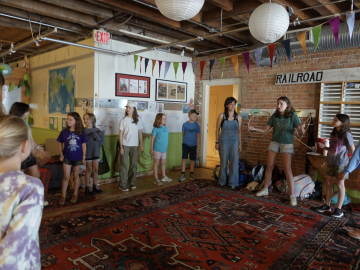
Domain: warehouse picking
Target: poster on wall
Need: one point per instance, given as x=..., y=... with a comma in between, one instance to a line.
x=62, y=90
x=132, y=86
x=170, y=91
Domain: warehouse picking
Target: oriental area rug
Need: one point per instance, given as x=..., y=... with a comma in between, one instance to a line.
x=198, y=225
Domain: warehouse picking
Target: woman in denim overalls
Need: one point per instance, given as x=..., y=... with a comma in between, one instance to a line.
x=229, y=142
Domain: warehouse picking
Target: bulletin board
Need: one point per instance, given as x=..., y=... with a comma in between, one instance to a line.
x=132, y=86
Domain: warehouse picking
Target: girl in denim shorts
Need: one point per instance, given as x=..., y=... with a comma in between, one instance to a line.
x=341, y=143
x=283, y=122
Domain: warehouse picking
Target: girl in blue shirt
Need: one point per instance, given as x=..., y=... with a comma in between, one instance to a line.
x=159, y=143
x=73, y=154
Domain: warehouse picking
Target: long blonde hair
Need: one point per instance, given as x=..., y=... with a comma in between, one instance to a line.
x=92, y=118
x=13, y=132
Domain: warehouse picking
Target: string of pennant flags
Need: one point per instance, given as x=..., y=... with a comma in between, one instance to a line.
x=316, y=31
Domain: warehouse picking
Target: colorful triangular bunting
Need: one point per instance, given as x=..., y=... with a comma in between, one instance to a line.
x=302, y=39
x=135, y=60
x=176, y=66
x=140, y=63
x=247, y=60
x=167, y=66
x=146, y=63
x=235, y=61
x=193, y=66
x=153, y=66
x=160, y=63
x=212, y=62
x=350, y=19
x=202, y=65
x=184, y=65
x=335, y=23
x=286, y=44
x=222, y=61
x=258, y=53
x=271, y=51
x=316, y=34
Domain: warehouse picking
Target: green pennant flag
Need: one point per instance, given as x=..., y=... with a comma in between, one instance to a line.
x=316, y=33
x=222, y=60
x=11, y=87
x=135, y=60
x=176, y=65
x=21, y=83
x=27, y=92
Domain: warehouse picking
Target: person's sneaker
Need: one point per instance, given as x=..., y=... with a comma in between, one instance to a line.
x=123, y=188
x=132, y=187
x=89, y=192
x=323, y=208
x=96, y=189
x=182, y=178
x=158, y=182
x=338, y=213
x=293, y=201
x=166, y=179
x=192, y=176
x=46, y=203
x=263, y=192
x=233, y=187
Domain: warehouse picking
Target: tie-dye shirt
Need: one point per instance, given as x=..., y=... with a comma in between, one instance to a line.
x=338, y=150
x=21, y=204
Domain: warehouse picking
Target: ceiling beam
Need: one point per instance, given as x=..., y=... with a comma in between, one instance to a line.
x=324, y=10
x=242, y=9
x=52, y=11
x=224, y=4
x=82, y=7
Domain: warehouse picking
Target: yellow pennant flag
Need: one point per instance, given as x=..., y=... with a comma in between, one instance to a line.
x=235, y=61
x=301, y=37
x=153, y=65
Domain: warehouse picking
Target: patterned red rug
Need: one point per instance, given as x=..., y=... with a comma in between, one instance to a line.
x=197, y=225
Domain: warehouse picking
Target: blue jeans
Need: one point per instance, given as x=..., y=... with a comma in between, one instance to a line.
x=228, y=149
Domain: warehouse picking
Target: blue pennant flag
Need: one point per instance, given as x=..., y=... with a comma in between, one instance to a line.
x=146, y=63
x=212, y=62
x=286, y=44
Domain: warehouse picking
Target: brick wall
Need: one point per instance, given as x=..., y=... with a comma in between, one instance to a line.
x=259, y=91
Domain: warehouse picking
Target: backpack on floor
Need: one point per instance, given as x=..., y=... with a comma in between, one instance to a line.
x=334, y=199
x=303, y=185
x=257, y=172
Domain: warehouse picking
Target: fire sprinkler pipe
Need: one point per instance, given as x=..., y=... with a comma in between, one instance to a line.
x=82, y=46
x=13, y=48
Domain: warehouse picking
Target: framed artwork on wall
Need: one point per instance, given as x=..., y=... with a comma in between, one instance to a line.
x=132, y=86
x=171, y=91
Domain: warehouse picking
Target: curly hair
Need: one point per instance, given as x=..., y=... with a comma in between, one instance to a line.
x=289, y=111
x=343, y=118
x=78, y=123
x=158, y=120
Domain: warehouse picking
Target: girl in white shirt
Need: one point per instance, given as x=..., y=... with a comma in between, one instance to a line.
x=130, y=140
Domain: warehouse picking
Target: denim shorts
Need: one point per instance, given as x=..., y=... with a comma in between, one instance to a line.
x=333, y=170
x=281, y=148
x=92, y=159
x=72, y=162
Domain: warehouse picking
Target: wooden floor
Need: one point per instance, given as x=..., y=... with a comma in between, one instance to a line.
x=111, y=191
x=211, y=162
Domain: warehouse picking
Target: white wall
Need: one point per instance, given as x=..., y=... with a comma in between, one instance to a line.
x=40, y=65
x=104, y=79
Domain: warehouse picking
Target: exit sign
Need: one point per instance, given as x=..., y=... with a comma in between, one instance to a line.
x=101, y=36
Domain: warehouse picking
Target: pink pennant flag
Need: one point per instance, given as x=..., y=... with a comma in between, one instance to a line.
x=184, y=65
x=335, y=24
x=160, y=63
x=247, y=60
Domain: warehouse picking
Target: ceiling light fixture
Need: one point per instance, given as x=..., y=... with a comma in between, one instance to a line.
x=179, y=10
x=182, y=53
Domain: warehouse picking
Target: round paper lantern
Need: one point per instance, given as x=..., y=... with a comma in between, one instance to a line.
x=179, y=10
x=269, y=22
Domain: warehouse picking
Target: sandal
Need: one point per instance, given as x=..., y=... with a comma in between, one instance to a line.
x=74, y=198
x=62, y=201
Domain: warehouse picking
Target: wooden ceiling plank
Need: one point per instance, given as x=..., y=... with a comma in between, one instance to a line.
x=324, y=10
x=224, y=4
x=83, y=7
x=52, y=11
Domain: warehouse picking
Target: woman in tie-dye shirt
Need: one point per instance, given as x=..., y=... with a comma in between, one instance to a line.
x=21, y=199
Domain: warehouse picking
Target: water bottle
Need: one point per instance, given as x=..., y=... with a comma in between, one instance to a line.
x=197, y=163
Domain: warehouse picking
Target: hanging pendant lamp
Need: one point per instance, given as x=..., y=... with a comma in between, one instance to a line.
x=179, y=10
x=269, y=22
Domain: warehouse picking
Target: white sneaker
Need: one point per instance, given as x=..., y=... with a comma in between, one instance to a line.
x=263, y=192
x=293, y=200
x=158, y=182
x=166, y=179
x=46, y=203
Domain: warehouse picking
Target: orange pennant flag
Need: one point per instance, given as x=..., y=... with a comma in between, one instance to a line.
x=235, y=61
x=301, y=37
x=153, y=65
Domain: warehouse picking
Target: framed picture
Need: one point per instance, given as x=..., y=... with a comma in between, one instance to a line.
x=171, y=91
x=132, y=86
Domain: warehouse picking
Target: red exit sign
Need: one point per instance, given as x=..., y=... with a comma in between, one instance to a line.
x=101, y=36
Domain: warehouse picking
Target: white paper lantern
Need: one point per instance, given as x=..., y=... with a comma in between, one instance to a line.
x=269, y=22
x=179, y=10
